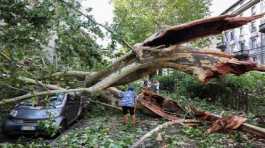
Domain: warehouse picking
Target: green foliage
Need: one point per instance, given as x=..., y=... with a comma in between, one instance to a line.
x=205, y=140
x=243, y=92
x=136, y=85
x=49, y=125
x=27, y=29
x=192, y=132
x=98, y=136
x=38, y=38
x=33, y=143
x=176, y=81
x=136, y=20
x=23, y=24
x=104, y=129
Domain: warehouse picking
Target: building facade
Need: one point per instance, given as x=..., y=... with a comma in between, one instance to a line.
x=250, y=38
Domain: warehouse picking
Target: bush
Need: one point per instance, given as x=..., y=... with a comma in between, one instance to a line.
x=177, y=82
x=243, y=92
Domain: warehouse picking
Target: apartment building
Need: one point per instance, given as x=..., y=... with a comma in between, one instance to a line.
x=250, y=38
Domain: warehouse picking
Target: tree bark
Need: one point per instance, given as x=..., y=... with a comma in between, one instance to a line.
x=105, y=104
x=163, y=51
x=201, y=63
x=81, y=74
x=245, y=127
x=155, y=130
x=23, y=97
x=36, y=82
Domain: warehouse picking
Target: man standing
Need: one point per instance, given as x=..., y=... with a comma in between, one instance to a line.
x=128, y=102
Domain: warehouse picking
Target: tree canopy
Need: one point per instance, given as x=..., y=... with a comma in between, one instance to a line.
x=27, y=27
x=136, y=20
x=38, y=38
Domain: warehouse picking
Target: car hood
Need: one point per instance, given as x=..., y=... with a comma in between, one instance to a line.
x=35, y=113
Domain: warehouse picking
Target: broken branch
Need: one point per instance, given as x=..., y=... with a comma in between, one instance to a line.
x=104, y=104
x=197, y=29
x=155, y=130
x=23, y=97
x=36, y=82
x=245, y=127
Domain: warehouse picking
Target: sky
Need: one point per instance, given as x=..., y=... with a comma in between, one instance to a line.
x=103, y=10
x=218, y=6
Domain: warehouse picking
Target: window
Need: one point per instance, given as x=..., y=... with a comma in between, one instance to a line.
x=242, y=45
x=232, y=48
x=263, y=39
x=253, y=10
x=262, y=5
x=226, y=36
x=262, y=21
x=254, y=58
x=253, y=27
x=254, y=43
x=241, y=30
x=232, y=35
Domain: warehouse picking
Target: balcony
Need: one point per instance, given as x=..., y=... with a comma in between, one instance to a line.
x=262, y=27
x=221, y=45
x=242, y=54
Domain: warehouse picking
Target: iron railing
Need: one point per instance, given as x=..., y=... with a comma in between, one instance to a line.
x=262, y=27
x=252, y=52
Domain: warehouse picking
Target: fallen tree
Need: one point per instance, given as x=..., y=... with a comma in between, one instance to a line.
x=163, y=50
x=170, y=110
x=224, y=123
x=161, y=106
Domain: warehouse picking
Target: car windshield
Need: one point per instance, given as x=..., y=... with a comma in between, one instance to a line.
x=45, y=101
x=56, y=100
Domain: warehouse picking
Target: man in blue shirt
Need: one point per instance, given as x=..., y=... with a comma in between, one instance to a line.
x=128, y=102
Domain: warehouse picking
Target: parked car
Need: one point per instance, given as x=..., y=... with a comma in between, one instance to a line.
x=63, y=108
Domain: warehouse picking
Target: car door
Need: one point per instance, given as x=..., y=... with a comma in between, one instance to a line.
x=76, y=105
x=72, y=107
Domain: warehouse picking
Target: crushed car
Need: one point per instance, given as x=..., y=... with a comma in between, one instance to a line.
x=60, y=109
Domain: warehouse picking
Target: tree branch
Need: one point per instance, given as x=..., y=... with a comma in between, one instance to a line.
x=23, y=97
x=104, y=104
x=155, y=130
x=32, y=81
x=123, y=42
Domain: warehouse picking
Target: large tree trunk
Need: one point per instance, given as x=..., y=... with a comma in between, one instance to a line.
x=163, y=50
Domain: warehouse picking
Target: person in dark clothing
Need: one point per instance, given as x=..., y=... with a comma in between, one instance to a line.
x=128, y=102
x=147, y=85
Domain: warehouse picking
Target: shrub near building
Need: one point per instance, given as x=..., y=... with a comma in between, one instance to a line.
x=244, y=93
